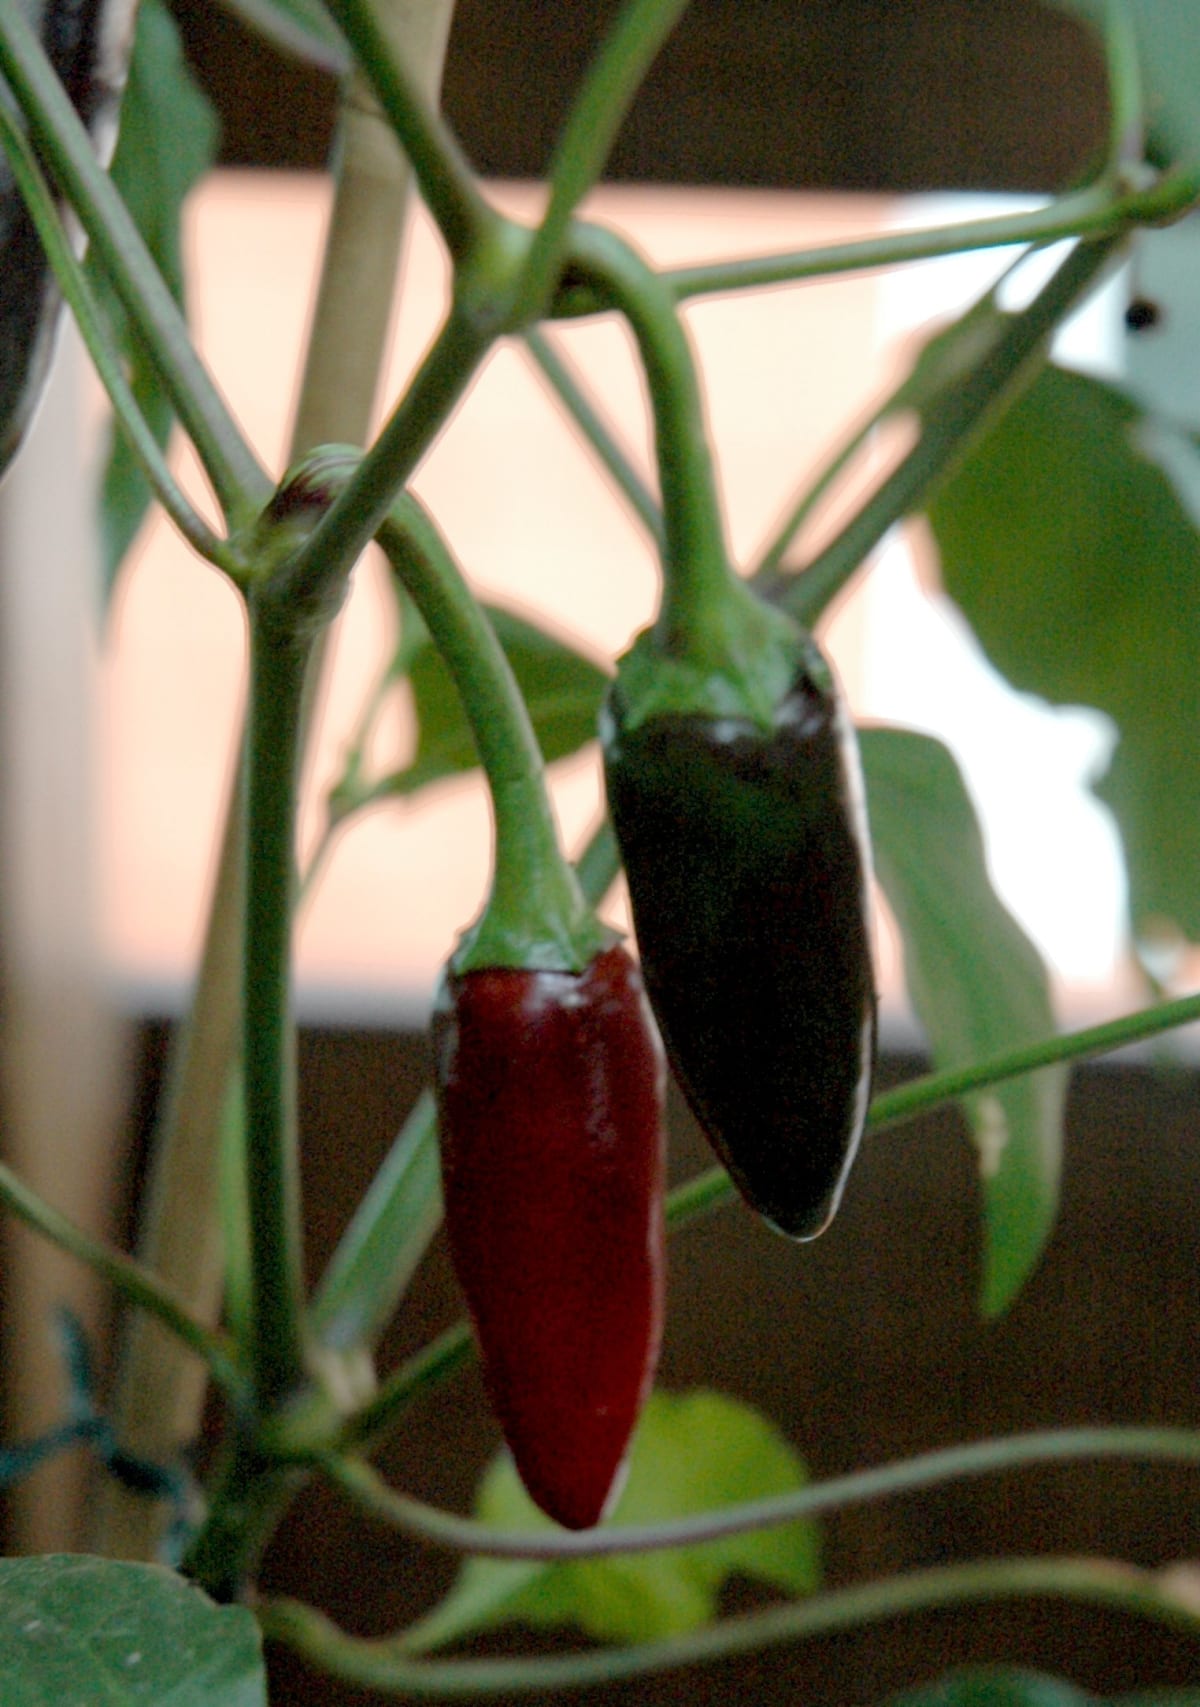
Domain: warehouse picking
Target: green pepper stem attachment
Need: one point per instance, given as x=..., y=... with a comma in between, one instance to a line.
x=715, y=647
x=535, y=917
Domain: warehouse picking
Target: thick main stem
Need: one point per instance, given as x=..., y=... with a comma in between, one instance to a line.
x=278, y=664
x=159, y=1397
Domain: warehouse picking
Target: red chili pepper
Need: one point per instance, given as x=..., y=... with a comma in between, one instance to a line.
x=550, y=1096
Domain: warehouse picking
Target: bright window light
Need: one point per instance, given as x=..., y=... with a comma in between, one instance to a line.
x=787, y=372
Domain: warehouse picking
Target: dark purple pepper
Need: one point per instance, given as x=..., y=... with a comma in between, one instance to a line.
x=88, y=43
x=550, y=1095
x=747, y=861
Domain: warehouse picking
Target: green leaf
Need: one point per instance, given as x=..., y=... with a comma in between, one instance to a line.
x=693, y=1452
x=978, y=987
x=167, y=141
x=561, y=687
x=997, y=1686
x=1168, y=37
x=1073, y=555
x=79, y=1629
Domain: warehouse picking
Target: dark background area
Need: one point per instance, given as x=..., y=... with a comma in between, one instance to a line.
x=863, y=1347
x=796, y=94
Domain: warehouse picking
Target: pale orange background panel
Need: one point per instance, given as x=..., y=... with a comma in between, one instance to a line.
x=519, y=497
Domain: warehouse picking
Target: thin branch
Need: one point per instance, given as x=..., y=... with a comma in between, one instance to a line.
x=137, y=1285
x=596, y=116
x=573, y=395
x=385, y=1665
x=371, y=1494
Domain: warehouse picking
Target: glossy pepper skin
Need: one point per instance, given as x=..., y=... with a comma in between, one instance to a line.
x=88, y=42
x=550, y=1096
x=747, y=860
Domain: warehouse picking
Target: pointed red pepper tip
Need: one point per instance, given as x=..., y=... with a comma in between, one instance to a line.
x=550, y=1097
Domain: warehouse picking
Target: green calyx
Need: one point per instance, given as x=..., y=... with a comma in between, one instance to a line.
x=559, y=934
x=739, y=663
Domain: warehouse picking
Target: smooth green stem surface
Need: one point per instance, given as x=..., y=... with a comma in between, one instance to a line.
x=699, y=585
x=947, y=429
x=370, y=1494
x=384, y=1664
x=766, y=574
x=361, y=507
x=596, y=116
x=278, y=661
x=536, y=916
x=579, y=406
x=1126, y=93
x=135, y=1284
x=78, y=293
x=1091, y=213
x=237, y=477
x=446, y=183
x=246, y=1500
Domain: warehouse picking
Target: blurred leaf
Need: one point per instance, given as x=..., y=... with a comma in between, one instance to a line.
x=561, y=687
x=1168, y=35
x=75, y=1629
x=302, y=29
x=996, y=1686
x=167, y=141
x=1074, y=557
x=692, y=1453
x=978, y=987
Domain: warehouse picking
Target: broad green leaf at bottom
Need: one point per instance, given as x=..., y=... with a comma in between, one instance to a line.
x=76, y=1629
x=692, y=1453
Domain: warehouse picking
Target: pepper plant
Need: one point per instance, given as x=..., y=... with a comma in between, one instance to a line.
x=741, y=801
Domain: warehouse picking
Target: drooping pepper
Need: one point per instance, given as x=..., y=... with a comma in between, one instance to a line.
x=735, y=796
x=549, y=1077
x=746, y=856
x=549, y=1090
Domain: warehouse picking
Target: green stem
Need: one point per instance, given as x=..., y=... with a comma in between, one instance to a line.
x=699, y=585
x=383, y=1663
x=337, y=394
x=596, y=116
x=766, y=576
x=371, y=1494
x=535, y=915
x=1126, y=94
x=449, y=190
x=948, y=425
x=596, y=431
x=135, y=1284
x=451, y=1351
x=238, y=480
x=278, y=662
x=1091, y=213
x=362, y=504
x=77, y=291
